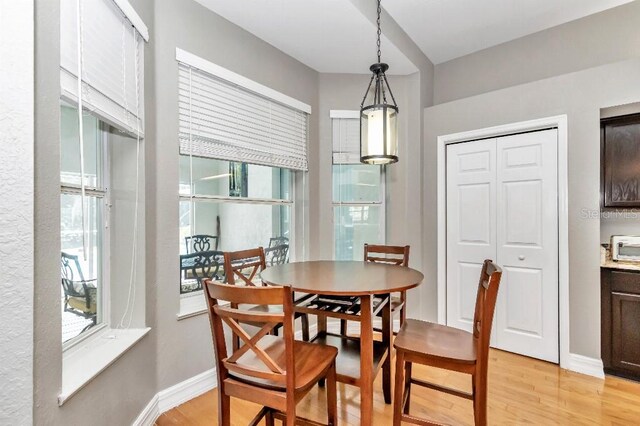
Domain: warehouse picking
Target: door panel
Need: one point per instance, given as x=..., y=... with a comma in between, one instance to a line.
x=523, y=300
x=471, y=232
x=527, y=244
x=502, y=205
x=523, y=200
x=468, y=273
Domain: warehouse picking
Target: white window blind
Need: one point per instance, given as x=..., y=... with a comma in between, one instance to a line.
x=345, y=127
x=227, y=121
x=110, y=45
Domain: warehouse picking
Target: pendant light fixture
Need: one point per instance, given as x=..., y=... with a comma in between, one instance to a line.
x=378, y=119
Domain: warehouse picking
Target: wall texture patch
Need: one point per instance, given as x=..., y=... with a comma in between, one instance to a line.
x=16, y=212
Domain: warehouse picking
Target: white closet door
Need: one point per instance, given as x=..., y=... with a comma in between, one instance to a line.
x=471, y=224
x=526, y=319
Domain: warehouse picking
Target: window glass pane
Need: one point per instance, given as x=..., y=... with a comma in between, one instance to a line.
x=231, y=179
x=356, y=183
x=70, y=148
x=231, y=226
x=353, y=227
x=81, y=276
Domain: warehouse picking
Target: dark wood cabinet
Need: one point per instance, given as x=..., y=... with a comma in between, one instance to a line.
x=621, y=322
x=620, y=157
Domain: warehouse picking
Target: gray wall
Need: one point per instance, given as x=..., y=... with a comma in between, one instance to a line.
x=16, y=212
x=605, y=37
x=345, y=91
x=184, y=348
x=579, y=95
x=120, y=392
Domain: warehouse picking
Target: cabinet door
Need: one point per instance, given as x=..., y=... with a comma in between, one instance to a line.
x=621, y=152
x=625, y=331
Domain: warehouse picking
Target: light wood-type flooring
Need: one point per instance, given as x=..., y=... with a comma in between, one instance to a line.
x=521, y=391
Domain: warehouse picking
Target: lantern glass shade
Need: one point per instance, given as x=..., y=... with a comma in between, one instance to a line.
x=379, y=134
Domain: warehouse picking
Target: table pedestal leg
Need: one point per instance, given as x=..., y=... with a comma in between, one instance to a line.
x=387, y=331
x=366, y=361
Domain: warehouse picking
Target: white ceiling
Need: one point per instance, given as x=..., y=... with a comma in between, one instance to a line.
x=329, y=36
x=333, y=36
x=447, y=29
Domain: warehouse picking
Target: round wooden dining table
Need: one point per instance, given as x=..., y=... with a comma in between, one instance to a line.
x=359, y=359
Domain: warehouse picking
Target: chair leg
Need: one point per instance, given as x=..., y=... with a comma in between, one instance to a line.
x=291, y=411
x=387, y=331
x=343, y=327
x=305, y=327
x=224, y=408
x=399, y=389
x=332, y=403
x=473, y=392
x=268, y=418
x=407, y=385
x=480, y=401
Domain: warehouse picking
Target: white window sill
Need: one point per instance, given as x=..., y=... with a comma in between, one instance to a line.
x=194, y=304
x=85, y=360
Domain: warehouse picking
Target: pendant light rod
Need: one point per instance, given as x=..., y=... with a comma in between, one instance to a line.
x=379, y=30
x=378, y=117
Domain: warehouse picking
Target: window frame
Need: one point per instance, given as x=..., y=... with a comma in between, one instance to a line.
x=103, y=196
x=382, y=203
x=193, y=303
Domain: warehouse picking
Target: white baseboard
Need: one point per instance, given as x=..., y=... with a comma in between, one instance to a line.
x=586, y=365
x=149, y=414
x=197, y=385
x=175, y=395
x=189, y=389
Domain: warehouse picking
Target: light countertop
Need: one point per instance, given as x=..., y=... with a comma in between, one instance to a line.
x=607, y=262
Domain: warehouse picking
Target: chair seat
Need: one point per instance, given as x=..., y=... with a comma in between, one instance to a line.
x=311, y=362
x=436, y=341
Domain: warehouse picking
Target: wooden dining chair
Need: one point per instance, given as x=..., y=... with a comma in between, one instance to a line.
x=275, y=372
x=242, y=267
x=393, y=255
x=449, y=348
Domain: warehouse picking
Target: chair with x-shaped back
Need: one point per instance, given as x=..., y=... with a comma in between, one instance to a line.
x=275, y=372
x=243, y=267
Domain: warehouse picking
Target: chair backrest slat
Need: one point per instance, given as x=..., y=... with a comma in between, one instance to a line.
x=201, y=242
x=278, y=241
x=242, y=294
x=244, y=265
x=249, y=316
x=486, y=297
x=395, y=255
x=276, y=255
